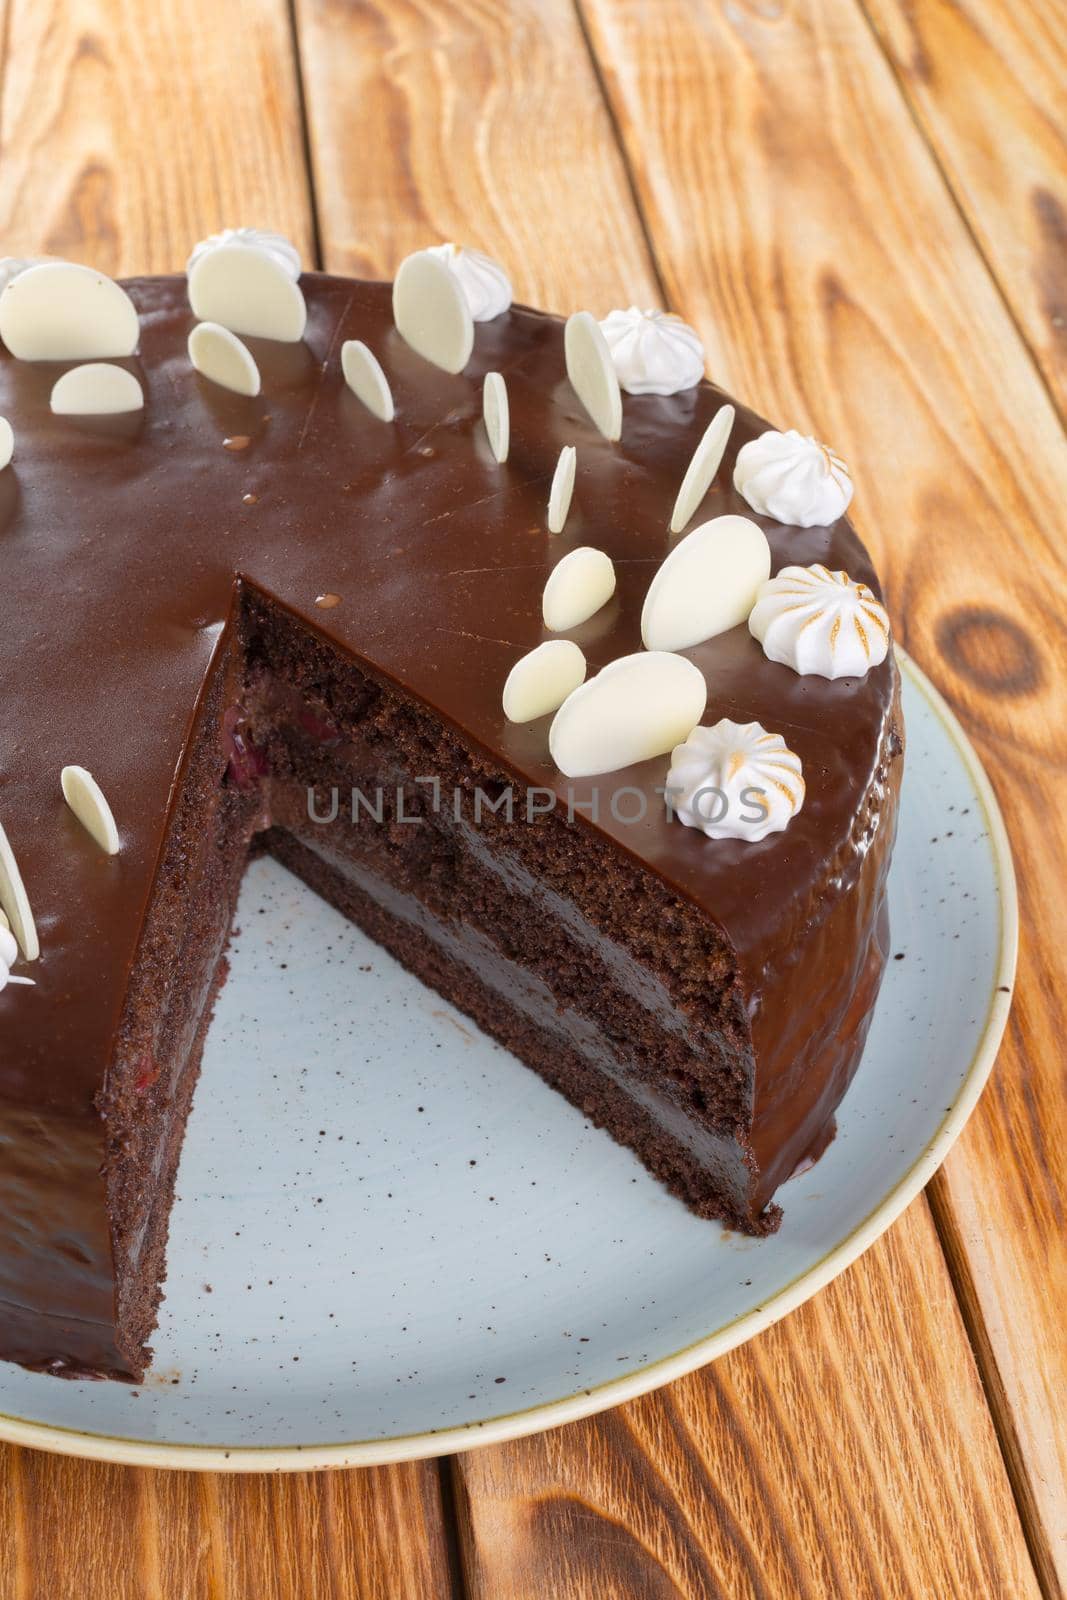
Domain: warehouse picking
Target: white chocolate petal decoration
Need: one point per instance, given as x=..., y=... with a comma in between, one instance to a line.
x=219, y=355
x=707, y=584
x=793, y=478
x=246, y=290
x=540, y=681
x=820, y=623
x=431, y=312
x=364, y=376
x=9, y=954
x=638, y=707
x=735, y=781
x=7, y=443
x=62, y=312
x=592, y=372
x=497, y=415
x=559, y=495
x=701, y=470
x=97, y=389
x=85, y=798
x=577, y=587
x=483, y=280
x=11, y=266
x=15, y=901
x=283, y=251
x=654, y=352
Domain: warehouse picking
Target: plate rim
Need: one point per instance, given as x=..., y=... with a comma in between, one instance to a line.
x=640, y=1380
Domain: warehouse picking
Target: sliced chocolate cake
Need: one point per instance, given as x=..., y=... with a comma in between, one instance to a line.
x=277, y=555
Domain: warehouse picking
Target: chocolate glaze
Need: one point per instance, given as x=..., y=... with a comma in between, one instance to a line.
x=123, y=541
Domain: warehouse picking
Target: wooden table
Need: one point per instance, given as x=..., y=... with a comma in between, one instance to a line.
x=862, y=204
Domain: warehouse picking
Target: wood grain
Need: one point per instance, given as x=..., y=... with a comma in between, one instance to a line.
x=838, y=287
x=76, y=1532
x=846, y=1452
x=988, y=82
x=486, y=126
x=129, y=130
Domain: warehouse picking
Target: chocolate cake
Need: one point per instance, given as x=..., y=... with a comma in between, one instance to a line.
x=278, y=622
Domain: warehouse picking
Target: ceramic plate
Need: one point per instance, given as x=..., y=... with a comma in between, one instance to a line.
x=391, y=1240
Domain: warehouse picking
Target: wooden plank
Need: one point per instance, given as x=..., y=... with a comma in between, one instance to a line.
x=839, y=288
x=117, y=1533
x=127, y=133
x=486, y=126
x=986, y=80
x=847, y=1452
x=507, y=90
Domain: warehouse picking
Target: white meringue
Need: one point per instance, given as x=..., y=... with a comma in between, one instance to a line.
x=793, y=478
x=275, y=245
x=9, y=951
x=86, y=799
x=820, y=622
x=484, y=281
x=654, y=352
x=735, y=781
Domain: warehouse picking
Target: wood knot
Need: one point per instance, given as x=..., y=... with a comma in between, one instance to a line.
x=990, y=650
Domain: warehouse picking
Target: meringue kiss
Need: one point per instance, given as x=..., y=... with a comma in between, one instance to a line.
x=793, y=478
x=654, y=352
x=484, y=282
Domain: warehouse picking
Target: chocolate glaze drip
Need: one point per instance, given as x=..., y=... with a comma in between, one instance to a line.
x=123, y=543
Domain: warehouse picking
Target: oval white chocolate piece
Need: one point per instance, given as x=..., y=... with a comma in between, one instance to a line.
x=707, y=584
x=559, y=495
x=707, y=458
x=97, y=389
x=364, y=376
x=431, y=312
x=9, y=954
x=7, y=443
x=63, y=312
x=577, y=587
x=497, y=415
x=85, y=798
x=540, y=681
x=219, y=355
x=592, y=372
x=15, y=901
x=248, y=291
x=638, y=707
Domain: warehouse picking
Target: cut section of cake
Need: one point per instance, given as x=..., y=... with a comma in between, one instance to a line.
x=283, y=620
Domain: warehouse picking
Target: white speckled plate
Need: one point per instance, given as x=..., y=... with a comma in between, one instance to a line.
x=391, y=1240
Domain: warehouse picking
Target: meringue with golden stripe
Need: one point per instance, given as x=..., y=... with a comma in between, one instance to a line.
x=793, y=478
x=820, y=623
x=734, y=781
x=9, y=951
x=272, y=244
